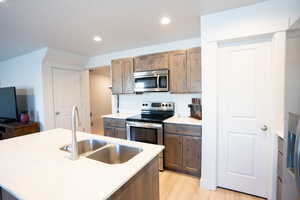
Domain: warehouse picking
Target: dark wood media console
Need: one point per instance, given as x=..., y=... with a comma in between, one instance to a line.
x=15, y=129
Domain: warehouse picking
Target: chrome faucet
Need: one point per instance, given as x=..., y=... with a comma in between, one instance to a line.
x=75, y=121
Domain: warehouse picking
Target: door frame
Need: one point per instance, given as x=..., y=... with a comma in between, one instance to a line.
x=210, y=99
x=48, y=94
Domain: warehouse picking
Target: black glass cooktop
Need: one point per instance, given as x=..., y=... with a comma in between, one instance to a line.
x=150, y=118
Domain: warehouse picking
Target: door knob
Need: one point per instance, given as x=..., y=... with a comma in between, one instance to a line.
x=57, y=113
x=264, y=128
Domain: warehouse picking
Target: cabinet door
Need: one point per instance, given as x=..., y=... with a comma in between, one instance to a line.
x=192, y=154
x=151, y=62
x=194, y=69
x=178, y=71
x=158, y=61
x=117, y=76
x=127, y=67
x=140, y=64
x=173, y=151
x=109, y=131
x=120, y=133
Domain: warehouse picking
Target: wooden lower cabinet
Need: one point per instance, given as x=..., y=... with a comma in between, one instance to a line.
x=144, y=185
x=115, y=132
x=173, y=151
x=182, y=151
x=120, y=133
x=110, y=132
x=191, y=154
x=115, y=128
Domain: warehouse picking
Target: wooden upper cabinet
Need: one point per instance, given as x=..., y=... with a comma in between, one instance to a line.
x=117, y=76
x=151, y=62
x=128, y=83
x=185, y=71
x=192, y=154
x=178, y=72
x=122, y=76
x=194, y=69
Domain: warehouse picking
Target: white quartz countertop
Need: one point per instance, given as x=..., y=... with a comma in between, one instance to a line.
x=33, y=168
x=184, y=120
x=118, y=115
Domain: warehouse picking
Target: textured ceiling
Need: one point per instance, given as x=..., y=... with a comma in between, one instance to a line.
x=27, y=25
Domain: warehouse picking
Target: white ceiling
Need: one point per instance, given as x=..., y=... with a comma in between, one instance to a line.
x=27, y=25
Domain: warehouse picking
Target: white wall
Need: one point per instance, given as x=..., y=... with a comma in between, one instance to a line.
x=132, y=103
x=64, y=60
x=105, y=59
x=241, y=24
x=25, y=73
x=266, y=17
x=30, y=75
x=292, y=100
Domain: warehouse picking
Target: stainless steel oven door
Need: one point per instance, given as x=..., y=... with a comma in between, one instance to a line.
x=146, y=132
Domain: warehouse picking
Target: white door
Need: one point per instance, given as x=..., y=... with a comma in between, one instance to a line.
x=244, y=154
x=66, y=92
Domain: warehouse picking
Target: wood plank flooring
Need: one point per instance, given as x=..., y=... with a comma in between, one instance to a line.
x=177, y=186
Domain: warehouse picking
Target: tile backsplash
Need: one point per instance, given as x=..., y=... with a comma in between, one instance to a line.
x=131, y=103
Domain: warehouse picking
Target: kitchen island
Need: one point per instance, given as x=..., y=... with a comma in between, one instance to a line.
x=33, y=167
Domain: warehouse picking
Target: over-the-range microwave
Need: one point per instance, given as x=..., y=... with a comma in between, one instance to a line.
x=151, y=81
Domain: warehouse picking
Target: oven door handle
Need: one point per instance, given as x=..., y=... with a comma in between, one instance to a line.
x=144, y=125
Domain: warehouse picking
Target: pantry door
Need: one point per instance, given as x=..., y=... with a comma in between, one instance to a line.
x=66, y=94
x=244, y=154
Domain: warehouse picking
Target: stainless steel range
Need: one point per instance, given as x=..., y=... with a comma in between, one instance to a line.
x=148, y=126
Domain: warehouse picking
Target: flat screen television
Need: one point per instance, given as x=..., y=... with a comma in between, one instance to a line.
x=8, y=104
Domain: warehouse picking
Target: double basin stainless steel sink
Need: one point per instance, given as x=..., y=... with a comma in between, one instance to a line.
x=103, y=151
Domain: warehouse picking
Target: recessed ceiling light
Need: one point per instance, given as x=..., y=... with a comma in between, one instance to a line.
x=165, y=20
x=96, y=38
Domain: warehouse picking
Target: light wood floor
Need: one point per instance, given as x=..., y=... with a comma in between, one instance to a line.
x=177, y=186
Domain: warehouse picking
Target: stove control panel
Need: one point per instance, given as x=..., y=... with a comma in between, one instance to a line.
x=158, y=106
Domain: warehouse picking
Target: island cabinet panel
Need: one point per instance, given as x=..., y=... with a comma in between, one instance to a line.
x=178, y=72
x=122, y=76
x=115, y=128
x=194, y=70
x=151, y=62
x=144, y=185
x=173, y=151
x=185, y=71
x=183, y=148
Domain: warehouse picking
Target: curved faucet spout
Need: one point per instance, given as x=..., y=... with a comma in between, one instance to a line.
x=75, y=121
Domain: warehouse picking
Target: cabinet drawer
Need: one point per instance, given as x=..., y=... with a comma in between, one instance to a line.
x=184, y=129
x=114, y=123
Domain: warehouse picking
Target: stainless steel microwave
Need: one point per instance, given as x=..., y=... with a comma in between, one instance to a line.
x=151, y=81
